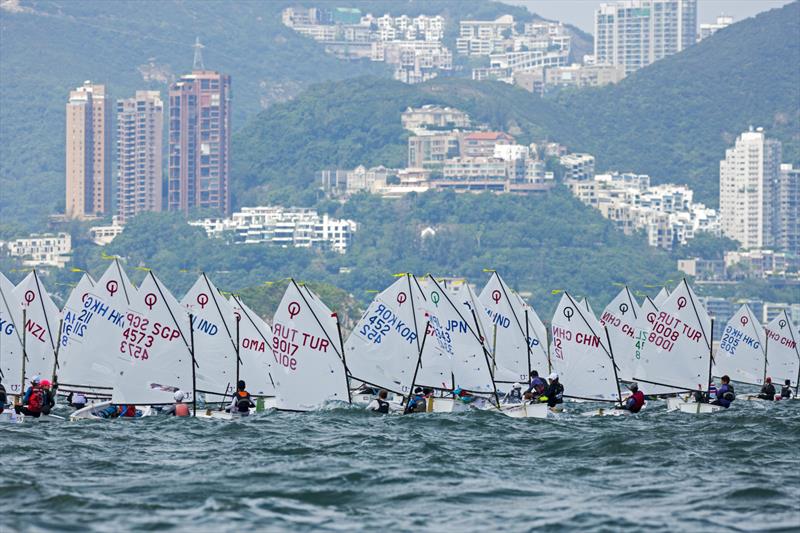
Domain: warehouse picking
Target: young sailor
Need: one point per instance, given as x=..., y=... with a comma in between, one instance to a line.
x=464, y=396
x=34, y=399
x=767, y=391
x=380, y=404
x=725, y=394
x=514, y=395
x=241, y=403
x=3, y=397
x=786, y=390
x=555, y=391
x=49, y=397
x=536, y=383
x=178, y=408
x=635, y=401
x=417, y=402
x=76, y=400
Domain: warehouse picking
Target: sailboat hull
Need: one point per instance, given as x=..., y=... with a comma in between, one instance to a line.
x=525, y=410
x=92, y=412
x=445, y=405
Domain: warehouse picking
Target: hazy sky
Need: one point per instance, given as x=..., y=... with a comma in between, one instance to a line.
x=581, y=12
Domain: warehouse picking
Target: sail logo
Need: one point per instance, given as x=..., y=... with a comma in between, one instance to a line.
x=6, y=327
x=667, y=330
x=781, y=339
x=732, y=337
x=35, y=329
x=204, y=326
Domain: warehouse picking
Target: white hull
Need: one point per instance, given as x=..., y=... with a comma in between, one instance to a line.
x=607, y=411
x=90, y=412
x=446, y=405
x=215, y=414
x=525, y=410
x=695, y=408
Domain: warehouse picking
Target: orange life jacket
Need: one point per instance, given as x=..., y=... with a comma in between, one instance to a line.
x=181, y=409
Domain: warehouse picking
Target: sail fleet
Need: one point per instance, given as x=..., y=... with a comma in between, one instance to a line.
x=132, y=345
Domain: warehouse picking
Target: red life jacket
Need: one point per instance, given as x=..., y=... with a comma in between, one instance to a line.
x=130, y=411
x=638, y=399
x=181, y=409
x=36, y=400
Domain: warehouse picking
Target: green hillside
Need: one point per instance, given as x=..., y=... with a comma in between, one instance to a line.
x=675, y=118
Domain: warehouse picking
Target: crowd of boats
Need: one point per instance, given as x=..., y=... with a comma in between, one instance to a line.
x=436, y=344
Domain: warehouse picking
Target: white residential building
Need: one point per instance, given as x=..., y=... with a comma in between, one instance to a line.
x=434, y=116
x=42, y=250
x=102, y=235
x=483, y=37
x=707, y=30
x=635, y=33
x=287, y=227
x=666, y=213
x=578, y=166
x=747, y=179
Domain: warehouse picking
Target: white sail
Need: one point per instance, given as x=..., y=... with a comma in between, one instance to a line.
x=741, y=349
x=94, y=320
x=214, y=330
x=384, y=346
x=510, y=339
x=153, y=356
x=455, y=339
x=783, y=357
x=537, y=340
x=678, y=347
x=307, y=369
x=621, y=318
x=585, y=304
x=579, y=353
x=10, y=338
x=661, y=297
x=41, y=327
x=255, y=350
x=648, y=312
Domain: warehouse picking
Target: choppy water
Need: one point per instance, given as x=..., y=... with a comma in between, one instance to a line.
x=346, y=469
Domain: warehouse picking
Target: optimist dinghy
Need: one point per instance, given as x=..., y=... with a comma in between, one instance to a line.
x=95, y=412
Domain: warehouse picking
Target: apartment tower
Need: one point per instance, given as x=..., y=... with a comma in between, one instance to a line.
x=140, y=123
x=88, y=152
x=635, y=33
x=748, y=178
x=199, y=141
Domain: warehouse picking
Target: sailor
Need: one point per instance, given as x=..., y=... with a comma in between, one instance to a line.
x=554, y=394
x=76, y=400
x=127, y=411
x=3, y=397
x=34, y=399
x=178, y=408
x=241, y=403
x=767, y=391
x=380, y=404
x=416, y=404
x=537, y=384
x=514, y=395
x=464, y=396
x=725, y=394
x=49, y=397
x=635, y=401
x=786, y=390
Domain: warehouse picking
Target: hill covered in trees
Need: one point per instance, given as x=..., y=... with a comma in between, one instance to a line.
x=672, y=120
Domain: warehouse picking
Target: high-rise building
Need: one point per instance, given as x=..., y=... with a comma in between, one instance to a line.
x=88, y=151
x=140, y=124
x=199, y=141
x=787, y=210
x=748, y=178
x=635, y=33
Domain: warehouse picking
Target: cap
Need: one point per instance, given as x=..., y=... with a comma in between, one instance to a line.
x=36, y=379
x=554, y=375
x=633, y=386
x=516, y=386
x=179, y=396
x=45, y=383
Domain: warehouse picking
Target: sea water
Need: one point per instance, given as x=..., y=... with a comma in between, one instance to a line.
x=347, y=469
